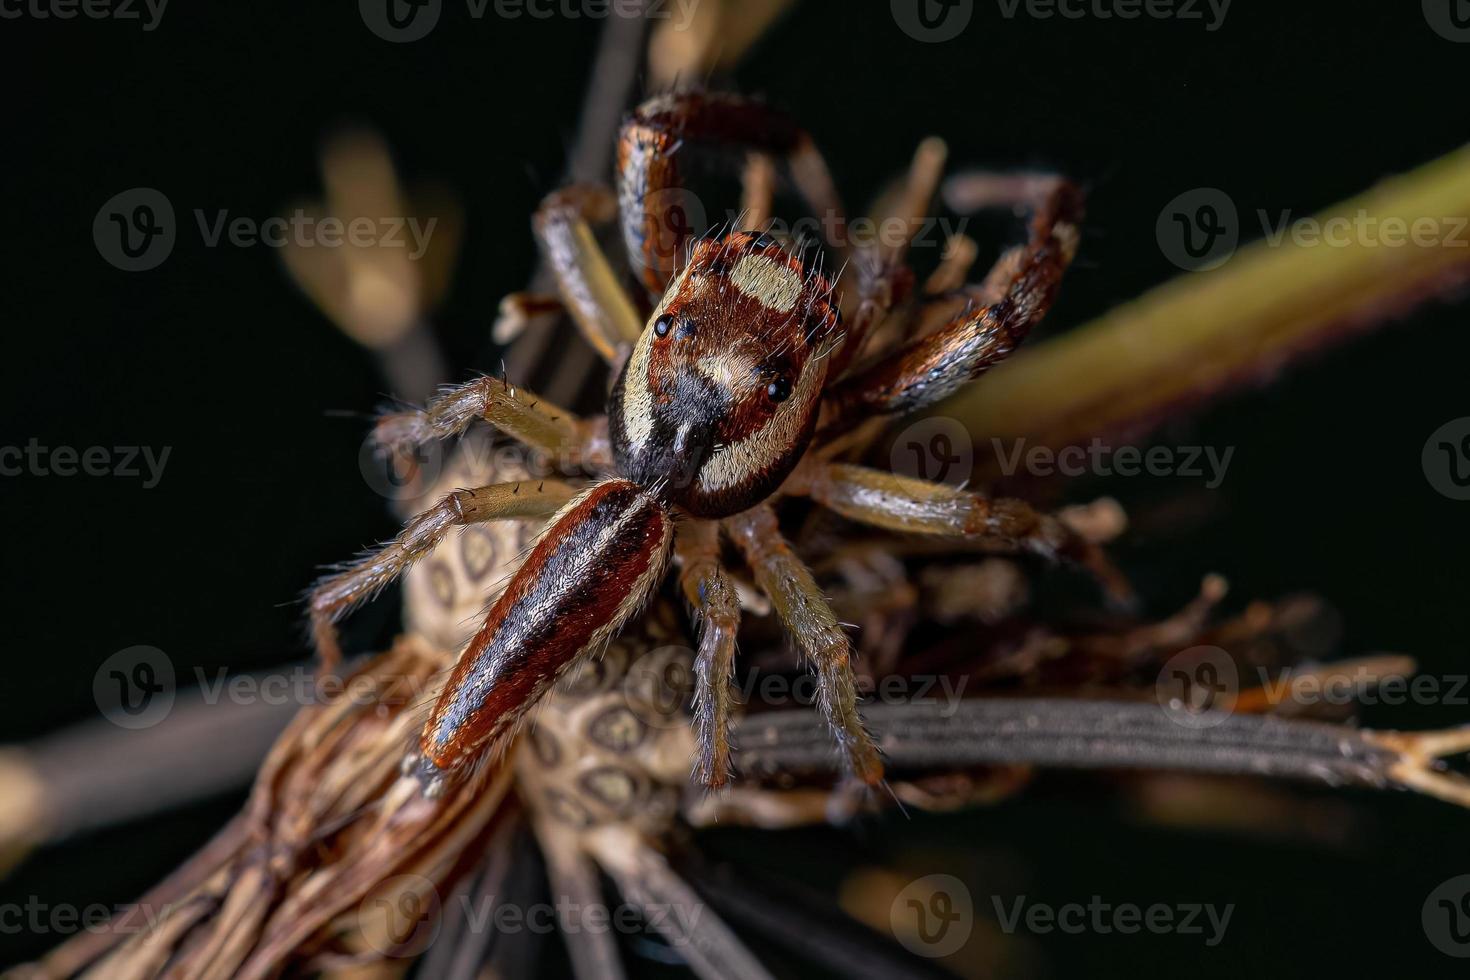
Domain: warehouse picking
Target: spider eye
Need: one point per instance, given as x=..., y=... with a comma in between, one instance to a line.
x=663, y=324
x=779, y=390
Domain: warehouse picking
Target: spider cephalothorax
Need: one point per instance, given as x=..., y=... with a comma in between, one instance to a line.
x=719, y=397
x=722, y=384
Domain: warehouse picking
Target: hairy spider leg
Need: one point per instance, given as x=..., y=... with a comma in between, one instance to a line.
x=589, y=288
x=717, y=611
x=652, y=202
x=336, y=595
x=933, y=367
x=807, y=616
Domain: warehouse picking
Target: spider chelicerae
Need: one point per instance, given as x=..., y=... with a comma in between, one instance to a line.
x=741, y=376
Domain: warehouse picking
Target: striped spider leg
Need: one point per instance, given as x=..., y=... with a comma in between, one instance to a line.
x=650, y=186
x=566, y=439
x=1000, y=312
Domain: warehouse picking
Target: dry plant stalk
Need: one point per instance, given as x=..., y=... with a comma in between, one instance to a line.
x=333, y=855
x=1204, y=332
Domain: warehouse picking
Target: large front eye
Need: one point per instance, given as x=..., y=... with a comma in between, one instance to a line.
x=779, y=389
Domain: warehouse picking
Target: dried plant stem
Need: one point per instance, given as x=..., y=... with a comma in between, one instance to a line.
x=715, y=38
x=1078, y=734
x=1207, y=331
x=1418, y=765
x=332, y=841
x=647, y=882
x=95, y=774
x=807, y=924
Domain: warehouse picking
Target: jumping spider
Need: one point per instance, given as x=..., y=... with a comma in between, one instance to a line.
x=736, y=387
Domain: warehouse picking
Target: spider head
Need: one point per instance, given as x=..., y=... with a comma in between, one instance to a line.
x=719, y=397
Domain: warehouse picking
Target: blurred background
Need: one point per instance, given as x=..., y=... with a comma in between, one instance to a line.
x=216, y=356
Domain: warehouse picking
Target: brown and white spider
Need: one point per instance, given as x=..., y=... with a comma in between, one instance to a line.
x=734, y=394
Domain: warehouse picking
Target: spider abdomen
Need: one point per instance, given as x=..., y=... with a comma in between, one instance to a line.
x=572, y=593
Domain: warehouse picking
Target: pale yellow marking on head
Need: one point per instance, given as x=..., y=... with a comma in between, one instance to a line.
x=637, y=399
x=773, y=283
x=731, y=370
x=763, y=448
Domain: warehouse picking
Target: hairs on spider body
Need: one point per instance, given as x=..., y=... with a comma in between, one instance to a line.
x=719, y=397
x=739, y=368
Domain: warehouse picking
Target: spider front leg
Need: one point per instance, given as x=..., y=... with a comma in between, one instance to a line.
x=905, y=504
x=805, y=613
x=337, y=595
x=935, y=366
x=655, y=226
x=714, y=602
x=591, y=291
x=568, y=440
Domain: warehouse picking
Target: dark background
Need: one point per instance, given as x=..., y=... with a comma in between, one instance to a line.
x=215, y=354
